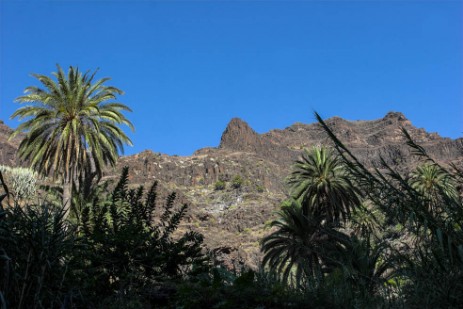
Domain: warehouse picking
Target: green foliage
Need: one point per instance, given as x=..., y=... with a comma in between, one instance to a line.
x=321, y=183
x=366, y=221
x=220, y=288
x=430, y=211
x=431, y=182
x=419, y=265
x=34, y=256
x=237, y=182
x=87, y=130
x=71, y=126
x=299, y=250
x=125, y=252
x=122, y=247
x=219, y=185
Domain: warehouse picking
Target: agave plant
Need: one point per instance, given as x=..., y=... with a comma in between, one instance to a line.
x=22, y=181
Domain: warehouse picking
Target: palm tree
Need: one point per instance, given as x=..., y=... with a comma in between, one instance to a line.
x=433, y=183
x=320, y=182
x=300, y=246
x=366, y=219
x=71, y=126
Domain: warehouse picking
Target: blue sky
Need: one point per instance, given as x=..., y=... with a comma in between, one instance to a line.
x=188, y=67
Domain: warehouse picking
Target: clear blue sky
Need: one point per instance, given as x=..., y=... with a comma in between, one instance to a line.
x=188, y=67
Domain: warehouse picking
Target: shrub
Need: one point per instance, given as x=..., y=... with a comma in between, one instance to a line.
x=34, y=258
x=219, y=185
x=128, y=246
x=237, y=182
x=121, y=250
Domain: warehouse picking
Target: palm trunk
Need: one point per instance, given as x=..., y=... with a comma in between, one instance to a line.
x=67, y=194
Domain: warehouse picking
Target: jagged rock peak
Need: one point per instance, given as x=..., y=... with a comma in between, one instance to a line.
x=396, y=115
x=397, y=119
x=239, y=136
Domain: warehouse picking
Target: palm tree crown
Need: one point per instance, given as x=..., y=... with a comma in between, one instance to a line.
x=71, y=125
x=299, y=246
x=320, y=182
x=433, y=183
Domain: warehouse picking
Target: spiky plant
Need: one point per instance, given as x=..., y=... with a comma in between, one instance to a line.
x=70, y=124
x=22, y=181
x=35, y=248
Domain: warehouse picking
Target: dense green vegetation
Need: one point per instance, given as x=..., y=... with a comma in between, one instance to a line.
x=113, y=257
x=348, y=237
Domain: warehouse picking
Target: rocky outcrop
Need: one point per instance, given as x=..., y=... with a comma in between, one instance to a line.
x=8, y=147
x=240, y=137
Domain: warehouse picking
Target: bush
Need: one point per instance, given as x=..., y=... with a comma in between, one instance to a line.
x=237, y=182
x=219, y=185
x=34, y=258
x=220, y=288
x=127, y=248
x=117, y=254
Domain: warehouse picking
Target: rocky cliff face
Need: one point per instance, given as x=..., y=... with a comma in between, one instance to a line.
x=235, y=218
x=8, y=148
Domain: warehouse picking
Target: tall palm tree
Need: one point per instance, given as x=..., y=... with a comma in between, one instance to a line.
x=300, y=246
x=433, y=183
x=72, y=125
x=320, y=182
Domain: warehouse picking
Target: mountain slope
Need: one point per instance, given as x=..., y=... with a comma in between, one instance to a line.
x=234, y=219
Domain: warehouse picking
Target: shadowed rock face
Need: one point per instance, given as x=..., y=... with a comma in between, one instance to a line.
x=239, y=135
x=8, y=148
x=234, y=219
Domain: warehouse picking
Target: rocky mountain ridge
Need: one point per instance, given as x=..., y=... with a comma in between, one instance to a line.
x=234, y=218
